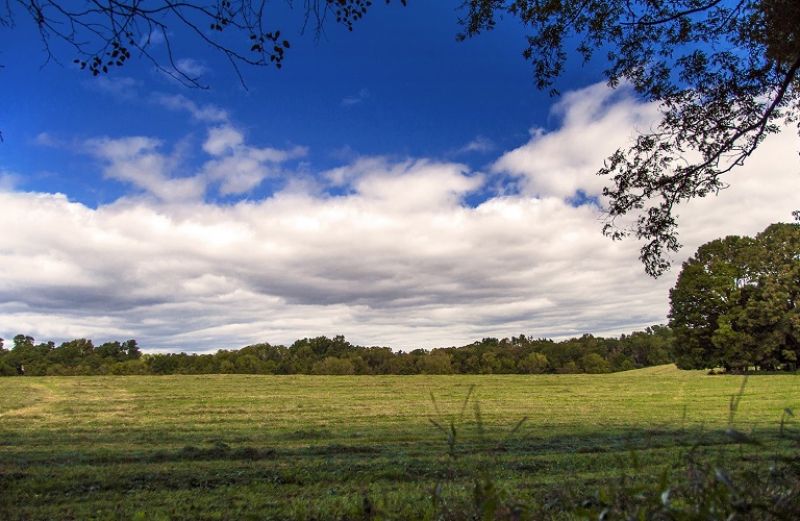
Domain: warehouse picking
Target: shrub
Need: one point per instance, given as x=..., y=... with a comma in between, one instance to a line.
x=535, y=363
x=333, y=366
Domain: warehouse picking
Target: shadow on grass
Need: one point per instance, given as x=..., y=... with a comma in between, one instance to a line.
x=467, y=471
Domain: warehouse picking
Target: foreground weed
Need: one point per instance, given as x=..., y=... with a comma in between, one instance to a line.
x=489, y=500
x=712, y=488
x=699, y=486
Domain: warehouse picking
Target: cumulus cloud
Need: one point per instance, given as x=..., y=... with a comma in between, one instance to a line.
x=358, y=167
x=222, y=139
x=398, y=260
x=239, y=168
x=139, y=161
x=594, y=122
x=382, y=265
x=409, y=183
x=234, y=167
x=762, y=192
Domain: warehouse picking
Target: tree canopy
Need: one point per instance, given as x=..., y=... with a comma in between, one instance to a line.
x=736, y=303
x=725, y=73
x=324, y=355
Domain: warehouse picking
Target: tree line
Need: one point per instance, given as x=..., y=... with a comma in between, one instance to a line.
x=735, y=306
x=336, y=356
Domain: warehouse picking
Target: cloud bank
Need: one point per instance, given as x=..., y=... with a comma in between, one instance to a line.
x=396, y=258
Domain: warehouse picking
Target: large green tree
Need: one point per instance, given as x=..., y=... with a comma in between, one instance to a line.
x=771, y=316
x=735, y=304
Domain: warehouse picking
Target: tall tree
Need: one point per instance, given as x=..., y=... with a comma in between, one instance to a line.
x=735, y=304
x=706, y=296
x=772, y=313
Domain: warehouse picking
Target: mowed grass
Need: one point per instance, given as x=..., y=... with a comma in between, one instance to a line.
x=330, y=447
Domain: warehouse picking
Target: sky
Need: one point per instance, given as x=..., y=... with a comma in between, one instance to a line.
x=389, y=184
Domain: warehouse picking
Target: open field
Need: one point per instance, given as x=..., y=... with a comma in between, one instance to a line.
x=272, y=447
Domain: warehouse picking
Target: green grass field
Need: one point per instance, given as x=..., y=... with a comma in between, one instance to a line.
x=303, y=447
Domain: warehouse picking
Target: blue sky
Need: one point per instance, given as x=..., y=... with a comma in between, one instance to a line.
x=399, y=85
x=389, y=184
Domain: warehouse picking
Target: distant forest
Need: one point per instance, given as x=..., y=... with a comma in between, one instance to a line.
x=337, y=356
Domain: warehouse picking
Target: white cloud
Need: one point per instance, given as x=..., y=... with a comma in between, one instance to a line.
x=359, y=166
x=417, y=185
x=152, y=38
x=222, y=139
x=399, y=260
x=480, y=144
x=191, y=67
x=8, y=181
x=239, y=168
x=122, y=87
x=762, y=192
x=206, y=113
x=138, y=160
x=595, y=121
x=350, y=101
x=45, y=139
x=235, y=168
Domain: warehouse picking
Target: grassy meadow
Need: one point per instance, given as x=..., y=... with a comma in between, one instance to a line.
x=344, y=447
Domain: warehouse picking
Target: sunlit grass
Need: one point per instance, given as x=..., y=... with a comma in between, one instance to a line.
x=233, y=446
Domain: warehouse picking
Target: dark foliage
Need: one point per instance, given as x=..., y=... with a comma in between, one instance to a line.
x=735, y=304
x=323, y=355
